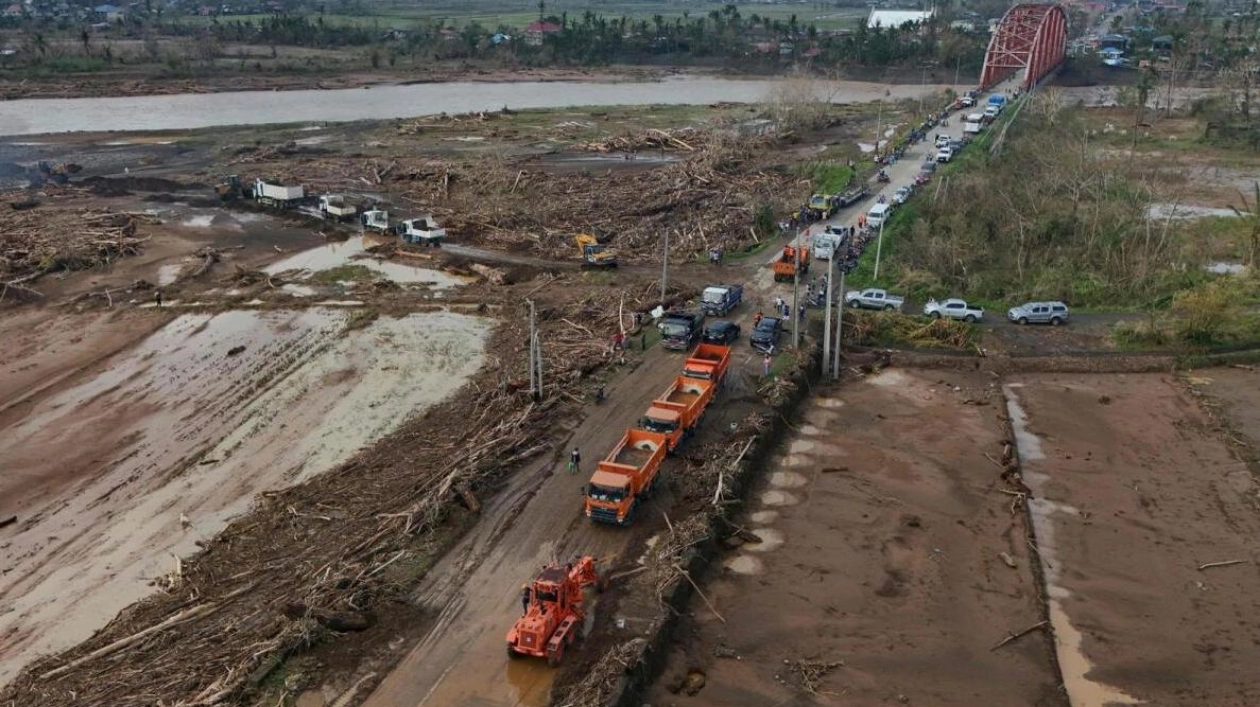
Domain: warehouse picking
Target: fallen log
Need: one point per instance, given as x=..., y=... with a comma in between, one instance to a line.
x=340, y=621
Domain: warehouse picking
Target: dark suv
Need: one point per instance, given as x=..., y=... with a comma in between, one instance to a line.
x=721, y=332
x=766, y=333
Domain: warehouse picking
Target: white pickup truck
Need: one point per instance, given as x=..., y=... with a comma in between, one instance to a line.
x=873, y=299
x=953, y=309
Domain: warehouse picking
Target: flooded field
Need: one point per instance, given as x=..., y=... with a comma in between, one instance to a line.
x=115, y=473
x=354, y=252
x=1133, y=494
x=876, y=536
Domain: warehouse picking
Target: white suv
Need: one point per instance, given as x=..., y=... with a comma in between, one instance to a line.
x=945, y=154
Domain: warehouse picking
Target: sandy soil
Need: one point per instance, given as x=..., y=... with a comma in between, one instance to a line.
x=881, y=525
x=184, y=429
x=1134, y=490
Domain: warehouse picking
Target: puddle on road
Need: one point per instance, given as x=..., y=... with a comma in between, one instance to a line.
x=276, y=396
x=797, y=460
x=744, y=564
x=829, y=403
x=764, y=517
x=168, y=274
x=888, y=377
x=1074, y=665
x=298, y=290
x=353, y=252
x=788, y=479
x=778, y=498
x=809, y=431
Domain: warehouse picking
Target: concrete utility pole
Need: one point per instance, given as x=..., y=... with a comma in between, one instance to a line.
x=535, y=356
x=831, y=271
x=879, y=125
x=835, y=369
x=665, y=269
x=879, y=248
x=796, y=291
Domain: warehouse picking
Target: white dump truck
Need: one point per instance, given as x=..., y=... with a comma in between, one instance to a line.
x=277, y=194
x=336, y=207
x=422, y=230
x=375, y=220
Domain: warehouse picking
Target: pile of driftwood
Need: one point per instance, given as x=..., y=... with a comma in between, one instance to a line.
x=38, y=241
x=323, y=558
x=686, y=139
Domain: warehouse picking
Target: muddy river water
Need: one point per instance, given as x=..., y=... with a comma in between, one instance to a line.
x=202, y=110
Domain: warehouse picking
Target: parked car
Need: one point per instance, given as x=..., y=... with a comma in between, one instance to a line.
x=902, y=195
x=873, y=299
x=967, y=101
x=941, y=141
x=953, y=309
x=922, y=178
x=766, y=333
x=721, y=332
x=945, y=154
x=1053, y=313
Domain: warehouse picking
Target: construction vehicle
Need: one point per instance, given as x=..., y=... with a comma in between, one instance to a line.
x=718, y=300
x=785, y=268
x=826, y=244
x=677, y=412
x=229, y=189
x=335, y=206
x=824, y=205
x=708, y=362
x=422, y=230
x=679, y=330
x=555, y=615
x=851, y=196
x=594, y=253
x=375, y=220
x=625, y=477
x=277, y=195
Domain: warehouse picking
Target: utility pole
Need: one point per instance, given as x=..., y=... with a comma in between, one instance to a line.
x=835, y=370
x=957, y=66
x=879, y=248
x=796, y=290
x=830, y=291
x=879, y=125
x=535, y=356
x=665, y=269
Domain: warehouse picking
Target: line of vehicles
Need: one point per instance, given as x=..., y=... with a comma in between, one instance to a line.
x=631, y=470
x=421, y=230
x=1053, y=313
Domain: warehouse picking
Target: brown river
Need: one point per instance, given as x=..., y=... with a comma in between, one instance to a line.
x=203, y=110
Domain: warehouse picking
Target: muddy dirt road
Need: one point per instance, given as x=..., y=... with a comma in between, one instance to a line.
x=133, y=460
x=882, y=528
x=1135, y=491
x=474, y=592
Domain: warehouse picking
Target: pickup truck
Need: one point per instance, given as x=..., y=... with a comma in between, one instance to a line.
x=679, y=330
x=719, y=300
x=945, y=154
x=826, y=243
x=873, y=299
x=953, y=309
x=708, y=362
x=625, y=477
x=677, y=412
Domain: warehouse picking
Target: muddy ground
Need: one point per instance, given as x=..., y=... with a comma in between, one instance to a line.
x=876, y=574
x=1135, y=489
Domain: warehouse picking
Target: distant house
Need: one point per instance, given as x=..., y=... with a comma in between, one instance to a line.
x=109, y=13
x=14, y=10
x=499, y=38
x=895, y=19
x=537, y=30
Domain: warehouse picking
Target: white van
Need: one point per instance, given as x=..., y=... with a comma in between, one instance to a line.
x=877, y=215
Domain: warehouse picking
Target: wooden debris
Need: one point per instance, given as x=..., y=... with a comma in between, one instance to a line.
x=811, y=673
x=1020, y=634
x=1227, y=563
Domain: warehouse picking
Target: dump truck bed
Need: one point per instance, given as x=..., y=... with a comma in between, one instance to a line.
x=680, y=396
x=630, y=456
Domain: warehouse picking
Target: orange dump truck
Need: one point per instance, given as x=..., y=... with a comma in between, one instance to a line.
x=677, y=411
x=625, y=477
x=708, y=362
x=785, y=266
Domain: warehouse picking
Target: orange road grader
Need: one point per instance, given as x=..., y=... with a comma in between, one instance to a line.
x=554, y=616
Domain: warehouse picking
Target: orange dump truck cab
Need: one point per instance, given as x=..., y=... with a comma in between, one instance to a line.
x=677, y=412
x=708, y=362
x=625, y=477
x=785, y=266
x=555, y=614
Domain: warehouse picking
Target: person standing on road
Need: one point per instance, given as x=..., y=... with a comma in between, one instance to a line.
x=524, y=599
x=575, y=458
x=765, y=366
x=157, y=298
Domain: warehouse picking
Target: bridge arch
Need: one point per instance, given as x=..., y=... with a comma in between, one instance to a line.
x=1031, y=37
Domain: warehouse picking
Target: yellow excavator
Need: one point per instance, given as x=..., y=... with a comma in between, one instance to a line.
x=594, y=253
